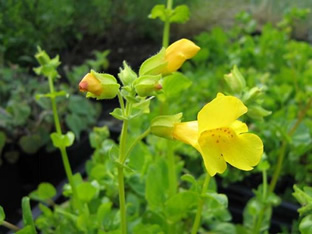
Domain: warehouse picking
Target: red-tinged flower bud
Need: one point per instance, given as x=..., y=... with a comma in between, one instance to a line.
x=147, y=85
x=99, y=86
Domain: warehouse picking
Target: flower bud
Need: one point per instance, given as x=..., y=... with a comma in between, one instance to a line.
x=163, y=125
x=178, y=52
x=147, y=85
x=99, y=86
x=170, y=59
x=252, y=95
x=257, y=112
x=235, y=80
x=127, y=75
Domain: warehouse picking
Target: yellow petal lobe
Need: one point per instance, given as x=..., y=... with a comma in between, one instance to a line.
x=178, y=52
x=220, y=112
x=244, y=152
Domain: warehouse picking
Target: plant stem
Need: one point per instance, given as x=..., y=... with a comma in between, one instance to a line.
x=281, y=156
x=135, y=142
x=57, y=124
x=166, y=32
x=54, y=109
x=200, y=205
x=122, y=158
x=68, y=171
x=258, y=223
x=10, y=226
x=265, y=184
x=171, y=169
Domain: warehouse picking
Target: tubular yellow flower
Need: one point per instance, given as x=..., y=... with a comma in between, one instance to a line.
x=178, y=52
x=220, y=137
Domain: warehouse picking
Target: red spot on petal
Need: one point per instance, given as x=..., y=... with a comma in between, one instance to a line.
x=217, y=141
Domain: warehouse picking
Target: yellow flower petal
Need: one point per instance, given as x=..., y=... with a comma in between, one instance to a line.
x=239, y=127
x=220, y=112
x=244, y=152
x=213, y=160
x=186, y=132
x=178, y=52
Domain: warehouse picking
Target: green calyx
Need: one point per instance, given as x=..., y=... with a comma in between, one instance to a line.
x=147, y=85
x=109, y=84
x=163, y=125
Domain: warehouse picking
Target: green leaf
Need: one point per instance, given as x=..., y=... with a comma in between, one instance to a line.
x=2, y=215
x=118, y=114
x=180, y=204
x=158, y=11
x=20, y=112
x=46, y=191
x=157, y=184
x=103, y=212
x=86, y=191
x=98, y=135
x=175, y=84
x=27, y=215
x=189, y=178
x=98, y=172
x=2, y=140
x=76, y=123
x=305, y=225
x=140, y=108
x=62, y=141
x=30, y=143
x=154, y=65
x=26, y=230
x=148, y=229
x=181, y=14
x=224, y=228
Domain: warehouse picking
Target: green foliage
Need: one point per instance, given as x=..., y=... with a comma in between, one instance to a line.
x=44, y=193
x=180, y=14
x=2, y=215
x=62, y=140
x=27, y=217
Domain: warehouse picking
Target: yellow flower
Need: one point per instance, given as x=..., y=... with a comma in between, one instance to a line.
x=178, y=52
x=220, y=137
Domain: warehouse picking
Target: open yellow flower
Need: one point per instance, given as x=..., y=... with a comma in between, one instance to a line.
x=220, y=137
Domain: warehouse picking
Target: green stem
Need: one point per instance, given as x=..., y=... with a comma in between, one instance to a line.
x=166, y=32
x=54, y=109
x=265, y=184
x=10, y=226
x=68, y=171
x=200, y=205
x=122, y=201
x=281, y=156
x=278, y=168
x=122, y=158
x=135, y=142
x=259, y=219
x=121, y=101
x=171, y=169
x=58, y=129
